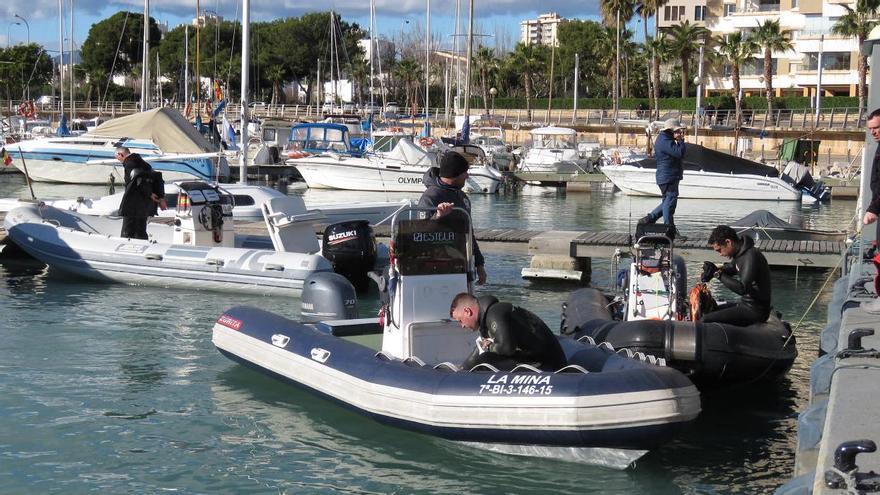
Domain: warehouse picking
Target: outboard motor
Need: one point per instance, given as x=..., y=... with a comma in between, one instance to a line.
x=351, y=248
x=328, y=296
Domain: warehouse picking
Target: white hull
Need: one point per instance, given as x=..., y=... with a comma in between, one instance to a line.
x=636, y=181
x=82, y=173
x=372, y=174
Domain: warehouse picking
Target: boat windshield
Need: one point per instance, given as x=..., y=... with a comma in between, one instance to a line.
x=488, y=141
x=319, y=138
x=556, y=141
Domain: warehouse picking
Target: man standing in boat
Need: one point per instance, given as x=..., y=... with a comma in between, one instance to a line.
x=140, y=198
x=873, y=209
x=747, y=274
x=444, y=192
x=669, y=149
x=509, y=335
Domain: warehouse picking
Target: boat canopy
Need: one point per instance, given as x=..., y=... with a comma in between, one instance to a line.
x=554, y=137
x=408, y=153
x=166, y=127
x=321, y=136
x=764, y=219
x=697, y=157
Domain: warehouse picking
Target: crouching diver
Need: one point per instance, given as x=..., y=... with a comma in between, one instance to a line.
x=509, y=335
x=753, y=283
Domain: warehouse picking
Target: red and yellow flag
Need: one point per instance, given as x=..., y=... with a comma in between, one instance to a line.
x=218, y=90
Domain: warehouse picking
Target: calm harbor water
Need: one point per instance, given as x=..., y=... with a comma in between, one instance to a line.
x=117, y=389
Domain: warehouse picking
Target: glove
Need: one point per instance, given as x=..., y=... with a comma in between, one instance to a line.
x=728, y=268
x=709, y=270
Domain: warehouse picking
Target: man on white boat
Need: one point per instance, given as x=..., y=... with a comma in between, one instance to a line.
x=669, y=153
x=444, y=192
x=141, y=195
x=509, y=335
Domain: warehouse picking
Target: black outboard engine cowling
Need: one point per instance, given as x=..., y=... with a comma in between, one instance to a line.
x=328, y=296
x=351, y=248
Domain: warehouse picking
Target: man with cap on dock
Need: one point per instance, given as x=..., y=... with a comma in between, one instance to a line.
x=669, y=154
x=444, y=191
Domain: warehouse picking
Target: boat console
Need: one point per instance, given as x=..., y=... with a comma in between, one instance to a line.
x=656, y=277
x=203, y=217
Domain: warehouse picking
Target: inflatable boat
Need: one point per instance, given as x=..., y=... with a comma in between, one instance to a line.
x=604, y=407
x=651, y=317
x=198, y=248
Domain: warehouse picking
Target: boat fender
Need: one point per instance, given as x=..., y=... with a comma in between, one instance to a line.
x=328, y=296
x=682, y=341
x=845, y=473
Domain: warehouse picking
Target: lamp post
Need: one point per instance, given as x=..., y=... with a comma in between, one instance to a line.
x=26, y=25
x=492, y=93
x=698, y=117
x=8, y=38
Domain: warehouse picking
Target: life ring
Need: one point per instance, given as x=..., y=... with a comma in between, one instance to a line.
x=426, y=142
x=209, y=109
x=27, y=109
x=298, y=154
x=615, y=157
x=395, y=129
x=22, y=109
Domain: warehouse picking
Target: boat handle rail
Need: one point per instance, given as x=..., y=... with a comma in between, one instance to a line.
x=446, y=365
x=571, y=368
x=525, y=367
x=484, y=366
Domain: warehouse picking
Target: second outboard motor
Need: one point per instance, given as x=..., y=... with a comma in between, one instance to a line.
x=328, y=296
x=351, y=249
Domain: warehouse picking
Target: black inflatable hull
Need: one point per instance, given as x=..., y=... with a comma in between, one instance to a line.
x=712, y=355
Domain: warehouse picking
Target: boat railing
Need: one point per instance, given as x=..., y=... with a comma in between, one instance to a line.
x=484, y=367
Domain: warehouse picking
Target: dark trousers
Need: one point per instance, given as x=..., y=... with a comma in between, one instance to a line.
x=666, y=208
x=134, y=228
x=737, y=314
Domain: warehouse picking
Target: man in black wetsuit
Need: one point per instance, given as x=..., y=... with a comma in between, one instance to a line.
x=753, y=283
x=444, y=191
x=140, y=198
x=509, y=335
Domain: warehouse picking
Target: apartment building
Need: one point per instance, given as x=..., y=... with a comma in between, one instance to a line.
x=541, y=31
x=795, y=73
x=678, y=11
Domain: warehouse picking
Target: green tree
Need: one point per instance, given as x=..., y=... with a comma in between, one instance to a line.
x=736, y=49
x=771, y=38
x=117, y=43
x=858, y=23
x=685, y=39
x=487, y=65
x=616, y=13
x=590, y=40
x=23, y=66
x=529, y=60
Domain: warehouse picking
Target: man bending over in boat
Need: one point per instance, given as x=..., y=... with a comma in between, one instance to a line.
x=747, y=274
x=509, y=335
x=141, y=195
x=444, y=191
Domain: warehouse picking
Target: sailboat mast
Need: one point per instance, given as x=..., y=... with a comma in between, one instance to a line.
x=61, y=56
x=427, y=59
x=198, y=77
x=373, y=47
x=457, y=54
x=245, y=75
x=72, y=76
x=145, y=72
x=470, y=49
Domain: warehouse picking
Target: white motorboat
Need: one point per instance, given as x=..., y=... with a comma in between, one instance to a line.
x=399, y=170
x=199, y=249
x=491, y=140
x=162, y=136
x=708, y=174
x=246, y=201
x=554, y=150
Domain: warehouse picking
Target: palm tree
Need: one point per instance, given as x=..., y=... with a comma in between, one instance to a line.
x=772, y=38
x=487, y=65
x=409, y=72
x=615, y=13
x=528, y=60
x=275, y=75
x=685, y=40
x=660, y=49
x=648, y=8
x=736, y=49
x=858, y=23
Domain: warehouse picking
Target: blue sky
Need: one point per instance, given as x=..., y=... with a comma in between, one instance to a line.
x=393, y=16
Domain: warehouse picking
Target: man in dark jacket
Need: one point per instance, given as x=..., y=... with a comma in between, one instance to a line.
x=873, y=208
x=509, y=335
x=139, y=199
x=444, y=192
x=753, y=283
x=669, y=153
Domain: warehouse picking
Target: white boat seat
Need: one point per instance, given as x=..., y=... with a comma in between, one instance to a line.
x=291, y=227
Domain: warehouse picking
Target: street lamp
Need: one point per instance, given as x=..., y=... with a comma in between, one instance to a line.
x=28, y=26
x=492, y=93
x=697, y=118
x=8, y=38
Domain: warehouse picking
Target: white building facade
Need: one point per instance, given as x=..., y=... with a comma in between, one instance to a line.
x=541, y=31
